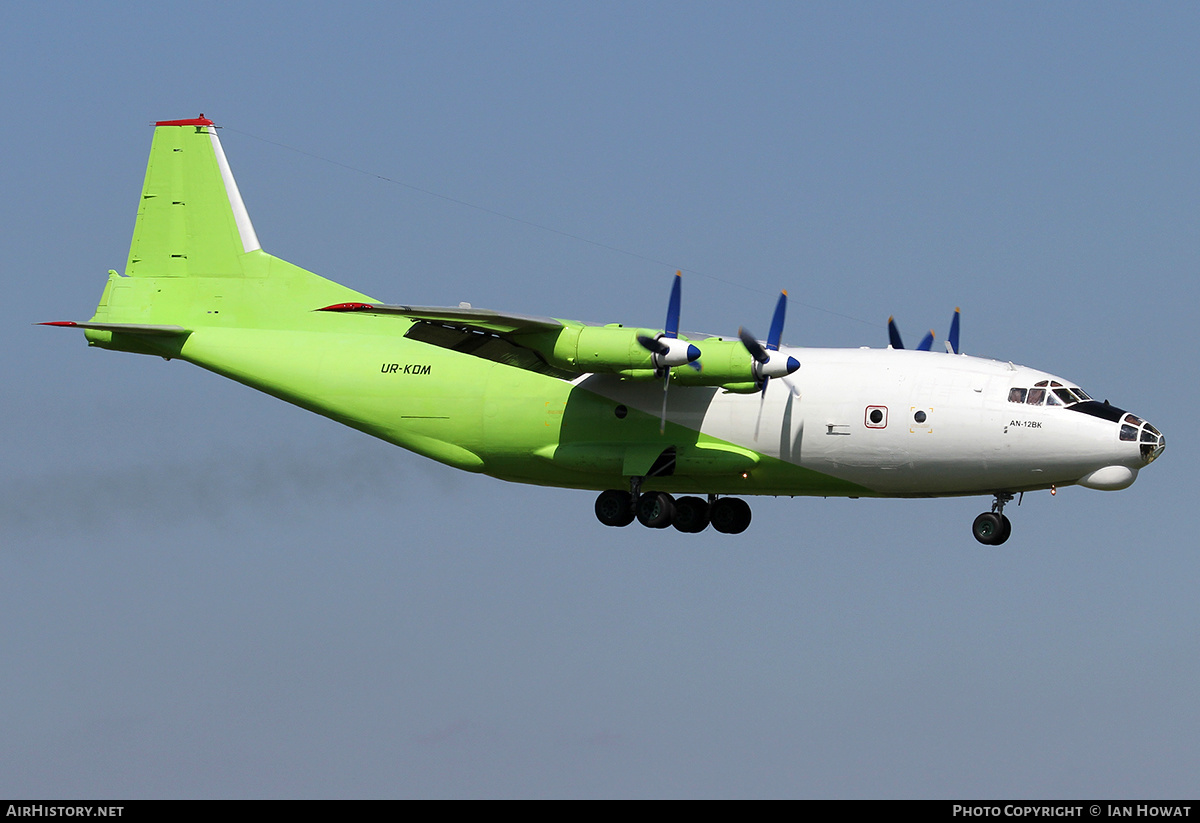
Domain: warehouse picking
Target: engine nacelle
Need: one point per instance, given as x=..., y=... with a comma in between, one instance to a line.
x=602, y=349
x=615, y=349
x=721, y=361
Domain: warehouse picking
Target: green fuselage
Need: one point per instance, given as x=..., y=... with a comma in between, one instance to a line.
x=490, y=406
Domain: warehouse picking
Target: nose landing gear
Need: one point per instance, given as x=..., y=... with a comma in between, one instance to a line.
x=993, y=528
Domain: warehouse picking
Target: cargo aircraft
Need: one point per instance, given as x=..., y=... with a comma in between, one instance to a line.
x=671, y=429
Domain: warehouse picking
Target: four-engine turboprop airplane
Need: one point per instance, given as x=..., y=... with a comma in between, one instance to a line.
x=640, y=415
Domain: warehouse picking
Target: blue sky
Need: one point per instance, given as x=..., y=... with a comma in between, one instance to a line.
x=209, y=593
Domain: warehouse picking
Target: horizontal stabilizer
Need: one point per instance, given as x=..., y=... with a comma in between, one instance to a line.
x=124, y=328
x=484, y=319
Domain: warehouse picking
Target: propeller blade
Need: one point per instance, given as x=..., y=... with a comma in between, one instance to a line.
x=926, y=344
x=762, y=401
x=653, y=344
x=662, y=420
x=952, y=340
x=777, y=322
x=672, y=327
x=753, y=346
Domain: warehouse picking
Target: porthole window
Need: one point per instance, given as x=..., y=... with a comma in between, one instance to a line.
x=919, y=416
x=876, y=417
x=620, y=412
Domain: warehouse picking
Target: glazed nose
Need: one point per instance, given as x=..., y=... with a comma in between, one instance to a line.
x=1149, y=439
x=1153, y=445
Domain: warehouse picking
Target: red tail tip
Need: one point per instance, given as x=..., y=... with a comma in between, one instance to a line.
x=195, y=121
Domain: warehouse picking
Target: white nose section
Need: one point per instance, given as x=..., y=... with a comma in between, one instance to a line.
x=1109, y=478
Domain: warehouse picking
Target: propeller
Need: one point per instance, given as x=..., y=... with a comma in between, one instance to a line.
x=926, y=343
x=768, y=361
x=952, y=340
x=667, y=350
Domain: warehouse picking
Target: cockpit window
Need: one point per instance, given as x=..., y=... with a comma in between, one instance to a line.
x=1128, y=433
x=1050, y=393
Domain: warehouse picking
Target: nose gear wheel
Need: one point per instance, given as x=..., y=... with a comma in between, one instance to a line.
x=993, y=528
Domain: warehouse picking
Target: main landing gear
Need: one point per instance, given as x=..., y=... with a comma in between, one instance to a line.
x=658, y=510
x=993, y=528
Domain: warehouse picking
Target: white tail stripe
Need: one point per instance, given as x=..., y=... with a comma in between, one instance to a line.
x=240, y=216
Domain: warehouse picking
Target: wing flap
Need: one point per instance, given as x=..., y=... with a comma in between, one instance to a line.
x=483, y=319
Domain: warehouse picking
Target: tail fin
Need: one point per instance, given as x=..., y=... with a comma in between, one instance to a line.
x=191, y=220
x=195, y=260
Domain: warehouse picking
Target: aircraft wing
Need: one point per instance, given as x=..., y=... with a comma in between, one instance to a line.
x=467, y=317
